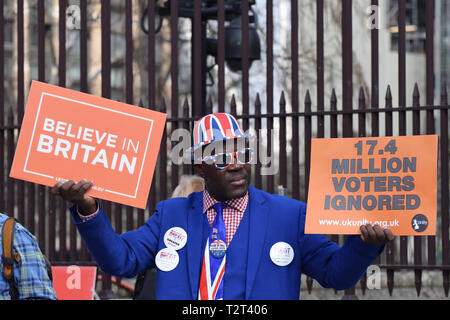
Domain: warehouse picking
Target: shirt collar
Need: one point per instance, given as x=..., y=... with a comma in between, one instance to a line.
x=237, y=203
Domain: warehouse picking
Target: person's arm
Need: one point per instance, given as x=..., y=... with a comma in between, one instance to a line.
x=341, y=267
x=30, y=272
x=122, y=255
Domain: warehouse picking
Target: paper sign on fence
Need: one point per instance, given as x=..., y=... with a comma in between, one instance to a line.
x=69, y=135
x=390, y=181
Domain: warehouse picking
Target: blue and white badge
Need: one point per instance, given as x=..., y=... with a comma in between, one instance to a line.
x=218, y=248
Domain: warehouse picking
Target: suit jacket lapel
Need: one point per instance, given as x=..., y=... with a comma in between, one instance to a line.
x=197, y=232
x=257, y=233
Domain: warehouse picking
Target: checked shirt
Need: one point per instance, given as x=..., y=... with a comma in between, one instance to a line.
x=30, y=272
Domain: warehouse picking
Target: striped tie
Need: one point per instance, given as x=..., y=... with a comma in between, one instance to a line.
x=213, y=268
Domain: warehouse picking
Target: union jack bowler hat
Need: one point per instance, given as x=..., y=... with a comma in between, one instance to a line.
x=216, y=127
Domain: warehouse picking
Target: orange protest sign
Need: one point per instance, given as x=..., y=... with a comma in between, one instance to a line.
x=74, y=282
x=390, y=181
x=69, y=135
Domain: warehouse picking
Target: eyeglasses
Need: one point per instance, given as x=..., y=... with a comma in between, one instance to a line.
x=224, y=160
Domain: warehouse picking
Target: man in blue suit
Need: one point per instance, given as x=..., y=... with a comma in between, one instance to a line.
x=230, y=241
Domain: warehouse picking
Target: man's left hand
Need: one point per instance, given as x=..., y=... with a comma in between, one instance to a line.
x=375, y=235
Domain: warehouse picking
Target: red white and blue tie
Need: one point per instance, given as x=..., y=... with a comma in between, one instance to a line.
x=213, y=267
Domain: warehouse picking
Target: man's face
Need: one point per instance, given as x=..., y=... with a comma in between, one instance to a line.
x=229, y=183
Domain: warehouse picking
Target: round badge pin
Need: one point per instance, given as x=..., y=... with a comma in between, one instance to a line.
x=281, y=254
x=167, y=259
x=218, y=248
x=175, y=238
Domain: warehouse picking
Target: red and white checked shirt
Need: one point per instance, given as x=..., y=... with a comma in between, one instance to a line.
x=232, y=213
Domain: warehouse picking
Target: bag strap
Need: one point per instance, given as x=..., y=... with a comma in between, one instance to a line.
x=8, y=257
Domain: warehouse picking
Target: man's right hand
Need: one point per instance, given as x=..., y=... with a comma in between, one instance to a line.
x=76, y=193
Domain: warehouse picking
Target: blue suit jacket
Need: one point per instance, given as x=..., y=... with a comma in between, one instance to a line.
x=272, y=218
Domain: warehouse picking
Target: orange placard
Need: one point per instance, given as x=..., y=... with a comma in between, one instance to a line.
x=74, y=282
x=390, y=181
x=69, y=135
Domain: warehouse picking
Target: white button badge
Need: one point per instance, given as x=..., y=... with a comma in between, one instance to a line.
x=167, y=259
x=175, y=238
x=281, y=254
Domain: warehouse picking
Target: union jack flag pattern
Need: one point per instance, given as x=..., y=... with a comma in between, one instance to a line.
x=210, y=287
x=216, y=127
x=214, y=259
